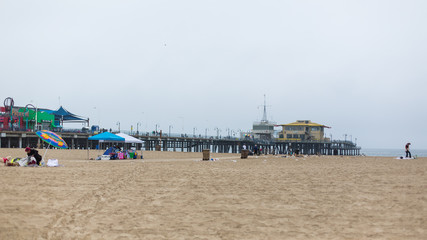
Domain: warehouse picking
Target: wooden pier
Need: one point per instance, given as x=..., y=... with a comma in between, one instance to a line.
x=14, y=139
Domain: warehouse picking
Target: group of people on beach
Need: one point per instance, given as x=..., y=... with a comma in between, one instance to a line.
x=33, y=158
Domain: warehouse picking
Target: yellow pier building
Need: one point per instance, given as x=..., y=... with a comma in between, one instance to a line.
x=302, y=130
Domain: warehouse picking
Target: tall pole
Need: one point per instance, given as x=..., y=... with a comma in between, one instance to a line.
x=118, y=123
x=217, y=132
x=137, y=127
x=264, y=116
x=36, y=117
x=182, y=118
x=143, y=120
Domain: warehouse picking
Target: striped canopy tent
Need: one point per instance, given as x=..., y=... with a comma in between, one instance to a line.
x=129, y=139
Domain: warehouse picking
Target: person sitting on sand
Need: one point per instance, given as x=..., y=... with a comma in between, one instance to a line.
x=408, y=153
x=116, y=149
x=8, y=161
x=33, y=153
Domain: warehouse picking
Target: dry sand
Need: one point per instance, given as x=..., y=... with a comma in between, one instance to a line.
x=176, y=196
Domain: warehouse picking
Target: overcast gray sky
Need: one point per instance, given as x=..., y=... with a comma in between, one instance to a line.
x=358, y=66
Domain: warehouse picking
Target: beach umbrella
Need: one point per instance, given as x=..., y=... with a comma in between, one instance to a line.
x=52, y=139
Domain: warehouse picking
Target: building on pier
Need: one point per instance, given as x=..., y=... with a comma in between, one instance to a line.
x=263, y=130
x=302, y=130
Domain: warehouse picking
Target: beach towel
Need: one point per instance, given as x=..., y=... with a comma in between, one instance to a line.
x=23, y=162
x=28, y=162
x=405, y=158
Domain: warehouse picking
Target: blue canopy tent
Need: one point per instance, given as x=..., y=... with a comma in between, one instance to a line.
x=105, y=137
x=62, y=115
x=65, y=115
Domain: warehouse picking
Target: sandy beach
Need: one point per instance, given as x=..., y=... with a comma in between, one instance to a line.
x=171, y=195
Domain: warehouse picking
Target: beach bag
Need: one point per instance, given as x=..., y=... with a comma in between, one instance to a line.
x=52, y=163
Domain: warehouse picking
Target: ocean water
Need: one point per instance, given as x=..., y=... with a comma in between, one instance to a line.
x=392, y=152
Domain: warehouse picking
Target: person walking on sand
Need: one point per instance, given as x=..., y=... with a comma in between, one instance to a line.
x=256, y=149
x=408, y=153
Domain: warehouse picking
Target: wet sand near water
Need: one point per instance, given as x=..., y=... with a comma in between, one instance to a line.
x=171, y=195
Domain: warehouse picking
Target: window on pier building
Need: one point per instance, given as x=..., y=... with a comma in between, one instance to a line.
x=289, y=136
x=296, y=136
x=294, y=128
x=263, y=127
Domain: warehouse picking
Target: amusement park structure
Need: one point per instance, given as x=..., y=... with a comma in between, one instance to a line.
x=31, y=118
